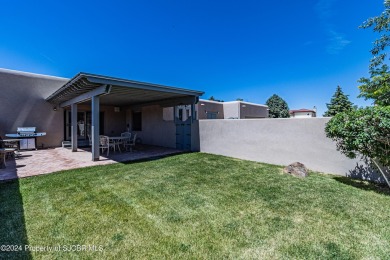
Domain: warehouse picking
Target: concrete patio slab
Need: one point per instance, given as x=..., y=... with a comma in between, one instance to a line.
x=45, y=161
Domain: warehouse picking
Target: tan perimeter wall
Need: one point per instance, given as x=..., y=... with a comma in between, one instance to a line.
x=281, y=142
x=22, y=103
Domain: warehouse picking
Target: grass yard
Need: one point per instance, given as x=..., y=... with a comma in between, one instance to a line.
x=195, y=206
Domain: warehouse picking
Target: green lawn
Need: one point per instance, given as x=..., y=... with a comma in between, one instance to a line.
x=195, y=206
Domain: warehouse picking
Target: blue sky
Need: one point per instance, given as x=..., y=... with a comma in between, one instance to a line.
x=300, y=50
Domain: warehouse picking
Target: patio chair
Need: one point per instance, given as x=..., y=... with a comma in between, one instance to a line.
x=131, y=143
x=127, y=140
x=90, y=140
x=105, y=143
x=126, y=134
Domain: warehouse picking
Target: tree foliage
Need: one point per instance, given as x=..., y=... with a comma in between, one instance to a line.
x=212, y=98
x=278, y=108
x=339, y=103
x=377, y=87
x=366, y=131
x=363, y=132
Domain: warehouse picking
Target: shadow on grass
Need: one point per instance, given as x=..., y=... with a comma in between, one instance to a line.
x=153, y=158
x=13, y=235
x=380, y=188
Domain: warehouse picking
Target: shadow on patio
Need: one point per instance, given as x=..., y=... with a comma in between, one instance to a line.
x=45, y=161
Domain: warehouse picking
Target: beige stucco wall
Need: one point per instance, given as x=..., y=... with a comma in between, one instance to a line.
x=231, y=110
x=281, y=142
x=22, y=103
x=155, y=131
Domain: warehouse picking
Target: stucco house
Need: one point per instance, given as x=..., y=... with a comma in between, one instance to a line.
x=209, y=109
x=244, y=110
x=303, y=113
x=89, y=105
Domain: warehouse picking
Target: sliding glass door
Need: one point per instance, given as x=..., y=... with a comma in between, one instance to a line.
x=84, y=123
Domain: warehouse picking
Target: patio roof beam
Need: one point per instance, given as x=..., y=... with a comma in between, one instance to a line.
x=139, y=85
x=102, y=90
x=169, y=102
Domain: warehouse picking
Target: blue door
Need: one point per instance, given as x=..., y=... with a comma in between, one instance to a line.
x=183, y=131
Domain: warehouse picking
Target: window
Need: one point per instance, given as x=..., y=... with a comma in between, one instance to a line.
x=137, y=121
x=181, y=114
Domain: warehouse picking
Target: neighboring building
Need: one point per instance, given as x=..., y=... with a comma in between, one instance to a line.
x=89, y=105
x=303, y=113
x=208, y=109
x=244, y=110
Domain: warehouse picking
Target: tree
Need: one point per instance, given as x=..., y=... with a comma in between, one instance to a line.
x=239, y=99
x=377, y=87
x=338, y=103
x=278, y=108
x=363, y=132
x=213, y=99
x=366, y=131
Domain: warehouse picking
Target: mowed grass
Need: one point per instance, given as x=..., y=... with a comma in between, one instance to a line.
x=197, y=206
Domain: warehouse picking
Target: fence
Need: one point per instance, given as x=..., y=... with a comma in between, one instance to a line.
x=281, y=142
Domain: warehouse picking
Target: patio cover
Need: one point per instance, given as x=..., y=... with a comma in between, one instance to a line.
x=105, y=90
x=119, y=92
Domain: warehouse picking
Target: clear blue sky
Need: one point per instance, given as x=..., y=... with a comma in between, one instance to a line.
x=300, y=50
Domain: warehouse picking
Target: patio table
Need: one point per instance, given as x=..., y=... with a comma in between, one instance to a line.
x=117, y=141
x=13, y=143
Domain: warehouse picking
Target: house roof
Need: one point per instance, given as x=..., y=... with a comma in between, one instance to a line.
x=232, y=102
x=122, y=91
x=303, y=110
x=30, y=74
x=245, y=103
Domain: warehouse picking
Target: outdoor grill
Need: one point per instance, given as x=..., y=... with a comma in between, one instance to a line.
x=28, y=136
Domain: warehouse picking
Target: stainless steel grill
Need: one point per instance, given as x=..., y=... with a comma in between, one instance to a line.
x=28, y=136
x=26, y=131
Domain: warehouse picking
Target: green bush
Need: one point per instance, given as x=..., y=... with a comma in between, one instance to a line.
x=364, y=132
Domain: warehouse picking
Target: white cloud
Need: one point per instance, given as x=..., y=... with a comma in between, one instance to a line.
x=336, y=41
x=324, y=9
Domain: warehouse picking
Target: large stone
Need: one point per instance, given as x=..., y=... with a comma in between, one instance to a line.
x=297, y=169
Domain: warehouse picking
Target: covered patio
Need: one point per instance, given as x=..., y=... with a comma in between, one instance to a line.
x=45, y=161
x=148, y=110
